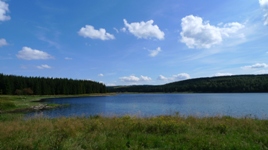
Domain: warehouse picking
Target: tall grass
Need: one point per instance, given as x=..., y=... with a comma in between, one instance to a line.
x=6, y=105
x=162, y=132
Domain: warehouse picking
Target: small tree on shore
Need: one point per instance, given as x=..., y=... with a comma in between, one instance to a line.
x=27, y=91
x=18, y=92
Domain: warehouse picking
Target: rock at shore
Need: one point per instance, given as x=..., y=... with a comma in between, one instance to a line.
x=40, y=107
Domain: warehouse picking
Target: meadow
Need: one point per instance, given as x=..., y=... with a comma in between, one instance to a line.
x=129, y=132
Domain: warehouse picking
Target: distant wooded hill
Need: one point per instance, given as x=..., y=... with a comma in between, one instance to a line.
x=10, y=84
x=224, y=84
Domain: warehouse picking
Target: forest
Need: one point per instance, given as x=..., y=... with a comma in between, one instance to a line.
x=19, y=85
x=223, y=84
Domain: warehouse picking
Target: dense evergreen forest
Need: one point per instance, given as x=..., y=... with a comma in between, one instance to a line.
x=19, y=85
x=224, y=84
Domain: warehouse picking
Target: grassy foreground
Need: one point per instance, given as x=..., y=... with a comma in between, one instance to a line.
x=162, y=132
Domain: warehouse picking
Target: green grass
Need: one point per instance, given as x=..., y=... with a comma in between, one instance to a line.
x=12, y=102
x=6, y=105
x=22, y=103
x=162, y=132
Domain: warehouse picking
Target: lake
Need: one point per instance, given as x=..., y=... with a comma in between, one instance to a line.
x=253, y=105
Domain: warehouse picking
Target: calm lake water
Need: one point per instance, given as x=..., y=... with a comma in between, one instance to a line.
x=148, y=105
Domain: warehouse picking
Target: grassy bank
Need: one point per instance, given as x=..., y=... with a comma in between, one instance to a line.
x=12, y=102
x=13, y=107
x=163, y=132
x=24, y=103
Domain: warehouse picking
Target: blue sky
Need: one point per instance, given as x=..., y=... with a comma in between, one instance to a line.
x=133, y=42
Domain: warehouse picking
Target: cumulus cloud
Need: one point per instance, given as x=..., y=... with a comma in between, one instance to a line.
x=43, y=67
x=198, y=34
x=130, y=79
x=89, y=32
x=145, y=30
x=256, y=66
x=100, y=75
x=223, y=74
x=28, y=53
x=133, y=78
x=264, y=6
x=145, y=78
x=3, y=42
x=163, y=78
x=155, y=52
x=181, y=76
x=177, y=77
x=3, y=10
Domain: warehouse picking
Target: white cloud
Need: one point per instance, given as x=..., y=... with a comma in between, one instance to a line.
x=256, y=66
x=177, y=77
x=153, y=53
x=264, y=6
x=163, y=78
x=145, y=78
x=3, y=10
x=3, y=42
x=50, y=42
x=123, y=29
x=198, y=34
x=100, y=75
x=223, y=74
x=28, y=53
x=117, y=31
x=181, y=76
x=145, y=30
x=130, y=79
x=43, y=67
x=89, y=32
x=68, y=58
x=133, y=78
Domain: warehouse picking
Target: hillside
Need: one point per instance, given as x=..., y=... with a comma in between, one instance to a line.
x=224, y=84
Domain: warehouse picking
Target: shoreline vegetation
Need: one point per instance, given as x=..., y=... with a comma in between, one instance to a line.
x=28, y=103
x=130, y=132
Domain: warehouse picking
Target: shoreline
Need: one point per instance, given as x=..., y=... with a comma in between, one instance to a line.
x=24, y=103
x=72, y=96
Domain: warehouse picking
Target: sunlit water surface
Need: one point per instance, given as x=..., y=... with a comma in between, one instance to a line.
x=148, y=105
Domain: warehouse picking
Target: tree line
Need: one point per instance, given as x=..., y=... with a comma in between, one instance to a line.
x=12, y=85
x=224, y=84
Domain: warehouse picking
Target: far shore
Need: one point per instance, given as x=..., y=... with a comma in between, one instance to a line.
x=72, y=96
